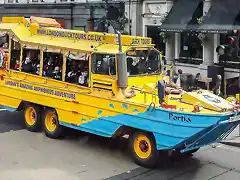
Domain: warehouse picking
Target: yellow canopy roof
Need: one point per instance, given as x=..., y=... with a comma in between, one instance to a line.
x=110, y=48
x=24, y=35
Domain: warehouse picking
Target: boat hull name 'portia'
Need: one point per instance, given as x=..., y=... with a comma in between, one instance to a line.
x=179, y=118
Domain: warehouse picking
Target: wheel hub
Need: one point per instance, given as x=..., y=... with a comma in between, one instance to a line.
x=143, y=145
x=33, y=116
x=54, y=121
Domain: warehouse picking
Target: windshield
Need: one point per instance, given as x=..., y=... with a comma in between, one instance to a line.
x=143, y=62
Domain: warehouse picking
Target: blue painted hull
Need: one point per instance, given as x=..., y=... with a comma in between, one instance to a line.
x=172, y=130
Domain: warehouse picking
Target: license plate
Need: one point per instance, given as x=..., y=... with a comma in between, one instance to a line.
x=235, y=118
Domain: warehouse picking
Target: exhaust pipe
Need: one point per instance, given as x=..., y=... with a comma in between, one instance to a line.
x=122, y=70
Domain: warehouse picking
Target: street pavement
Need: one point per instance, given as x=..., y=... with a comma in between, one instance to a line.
x=80, y=156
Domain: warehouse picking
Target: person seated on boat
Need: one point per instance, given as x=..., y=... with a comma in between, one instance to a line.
x=132, y=65
x=171, y=88
x=36, y=60
x=178, y=77
x=129, y=65
x=17, y=65
x=28, y=66
x=57, y=74
x=4, y=42
x=38, y=69
x=49, y=68
x=83, y=76
x=72, y=74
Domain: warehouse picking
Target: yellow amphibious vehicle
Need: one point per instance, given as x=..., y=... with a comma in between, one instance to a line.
x=105, y=84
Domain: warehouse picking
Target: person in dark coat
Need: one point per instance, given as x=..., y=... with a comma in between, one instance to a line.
x=28, y=66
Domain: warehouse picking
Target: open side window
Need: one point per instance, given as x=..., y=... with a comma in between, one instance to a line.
x=31, y=60
x=15, y=54
x=52, y=64
x=77, y=69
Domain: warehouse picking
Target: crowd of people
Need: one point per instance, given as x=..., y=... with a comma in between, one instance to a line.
x=76, y=72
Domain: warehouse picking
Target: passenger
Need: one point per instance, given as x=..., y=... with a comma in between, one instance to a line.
x=178, y=77
x=38, y=69
x=36, y=60
x=57, y=73
x=171, y=88
x=4, y=42
x=72, y=75
x=129, y=65
x=17, y=65
x=49, y=68
x=83, y=76
x=5, y=45
x=28, y=66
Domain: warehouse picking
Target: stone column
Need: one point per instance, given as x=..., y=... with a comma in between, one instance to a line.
x=208, y=50
x=135, y=16
x=216, y=41
x=177, y=45
x=208, y=44
x=170, y=49
x=170, y=44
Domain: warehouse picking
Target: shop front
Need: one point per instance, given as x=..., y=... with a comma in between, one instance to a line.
x=189, y=31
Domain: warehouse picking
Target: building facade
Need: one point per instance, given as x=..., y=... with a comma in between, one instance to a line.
x=186, y=31
x=72, y=14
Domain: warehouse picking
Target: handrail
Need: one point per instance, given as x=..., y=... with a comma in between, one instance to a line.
x=145, y=92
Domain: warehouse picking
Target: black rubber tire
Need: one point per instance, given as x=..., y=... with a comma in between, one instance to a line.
x=37, y=125
x=59, y=129
x=151, y=161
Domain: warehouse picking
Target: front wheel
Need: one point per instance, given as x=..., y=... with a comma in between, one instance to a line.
x=143, y=149
x=52, y=127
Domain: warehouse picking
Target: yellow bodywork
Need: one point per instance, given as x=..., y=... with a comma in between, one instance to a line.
x=75, y=104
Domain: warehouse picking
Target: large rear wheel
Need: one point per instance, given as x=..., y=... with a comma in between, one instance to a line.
x=52, y=127
x=32, y=116
x=143, y=149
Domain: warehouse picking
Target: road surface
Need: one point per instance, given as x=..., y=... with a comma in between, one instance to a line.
x=80, y=156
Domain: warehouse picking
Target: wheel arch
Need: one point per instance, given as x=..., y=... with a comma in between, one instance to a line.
x=127, y=130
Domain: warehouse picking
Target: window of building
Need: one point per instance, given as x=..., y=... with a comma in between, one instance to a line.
x=191, y=48
x=232, y=58
x=154, y=33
